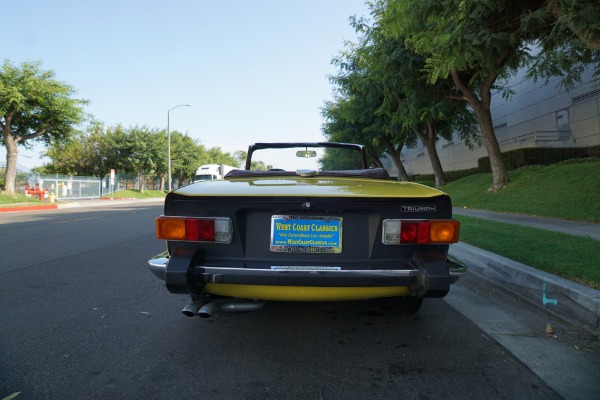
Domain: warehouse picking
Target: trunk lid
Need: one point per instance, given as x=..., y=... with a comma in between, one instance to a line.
x=290, y=186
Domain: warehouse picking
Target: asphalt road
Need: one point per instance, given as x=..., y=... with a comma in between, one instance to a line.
x=82, y=317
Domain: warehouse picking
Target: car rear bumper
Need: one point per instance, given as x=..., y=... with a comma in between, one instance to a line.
x=428, y=274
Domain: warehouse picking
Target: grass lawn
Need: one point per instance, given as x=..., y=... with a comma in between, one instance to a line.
x=568, y=191
x=571, y=257
x=17, y=198
x=135, y=194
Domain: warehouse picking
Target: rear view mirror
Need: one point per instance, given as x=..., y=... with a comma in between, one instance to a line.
x=306, y=153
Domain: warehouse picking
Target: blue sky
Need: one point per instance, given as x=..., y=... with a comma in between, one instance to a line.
x=251, y=70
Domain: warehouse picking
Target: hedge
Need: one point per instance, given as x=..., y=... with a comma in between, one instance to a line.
x=539, y=156
x=520, y=158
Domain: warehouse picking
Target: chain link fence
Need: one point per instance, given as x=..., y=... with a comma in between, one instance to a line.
x=129, y=182
x=67, y=187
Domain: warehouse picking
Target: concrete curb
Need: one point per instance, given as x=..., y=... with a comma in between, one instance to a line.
x=29, y=208
x=575, y=303
x=82, y=203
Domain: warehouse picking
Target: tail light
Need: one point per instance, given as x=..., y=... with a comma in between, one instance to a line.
x=216, y=230
x=396, y=231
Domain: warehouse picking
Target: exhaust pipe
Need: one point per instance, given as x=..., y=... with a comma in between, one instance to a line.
x=192, y=309
x=207, y=310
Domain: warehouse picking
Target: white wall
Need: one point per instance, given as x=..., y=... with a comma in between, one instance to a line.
x=537, y=115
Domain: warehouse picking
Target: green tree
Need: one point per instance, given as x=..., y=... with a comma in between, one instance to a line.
x=240, y=157
x=142, y=148
x=84, y=153
x=582, y=18
x=417, y=109
x=186, y=155
x=349, y=120
x=385, y=100
x=217, y=156
x=160, y=154
x=479, y=42
x=34, y=107
x=472, y=41
x=66, y=156
x=91, y=153
x=567, y=36
x=259, y=166
x=356, y=115
x=116, y=148
x=135, y=150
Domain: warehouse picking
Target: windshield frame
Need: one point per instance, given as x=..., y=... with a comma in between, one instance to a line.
x=303, y=145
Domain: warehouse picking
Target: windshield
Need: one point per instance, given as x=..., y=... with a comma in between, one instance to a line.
x=310, y=158
x=204, y=177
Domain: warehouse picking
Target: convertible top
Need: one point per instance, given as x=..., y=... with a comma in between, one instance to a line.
x=280, y=145
x=376, y=173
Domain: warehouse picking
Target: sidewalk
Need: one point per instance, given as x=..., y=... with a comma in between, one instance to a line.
x=575, y=303
x=549, y=224
x=109, y=202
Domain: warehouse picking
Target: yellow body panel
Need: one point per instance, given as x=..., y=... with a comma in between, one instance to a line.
x=317, y=187
x=304, y=293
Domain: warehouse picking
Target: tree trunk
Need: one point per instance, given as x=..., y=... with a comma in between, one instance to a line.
x=162, y=183
x=144, y=184
x=428, y=139
x=395, y=154
x=12, y=153
x=142, y=181
x=499, y=173
x=375, y=159
x=481, y=107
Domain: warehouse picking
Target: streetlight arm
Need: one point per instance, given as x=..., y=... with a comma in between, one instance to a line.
x=181, y=105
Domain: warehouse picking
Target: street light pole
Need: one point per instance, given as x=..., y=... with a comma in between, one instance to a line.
x=169, y=142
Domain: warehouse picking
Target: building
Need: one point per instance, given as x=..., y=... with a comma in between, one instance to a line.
x=536, y=115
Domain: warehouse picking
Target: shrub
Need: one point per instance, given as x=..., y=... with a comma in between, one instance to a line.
x=522, y=158
x=539, y=156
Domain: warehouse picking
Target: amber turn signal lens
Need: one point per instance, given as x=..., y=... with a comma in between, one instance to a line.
x=170, y=229
x=444, y=231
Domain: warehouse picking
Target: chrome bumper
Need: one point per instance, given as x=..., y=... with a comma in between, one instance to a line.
x=427, y=274
x=158, y=265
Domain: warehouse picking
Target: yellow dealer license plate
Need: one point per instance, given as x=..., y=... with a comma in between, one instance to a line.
x=306, y=234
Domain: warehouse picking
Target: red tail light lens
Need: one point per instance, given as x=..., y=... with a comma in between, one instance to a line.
x=397, y=231
x=414, y=232
x=217, y=230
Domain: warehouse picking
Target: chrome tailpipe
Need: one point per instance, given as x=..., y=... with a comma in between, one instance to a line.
x=192, y=309
x=208, y=310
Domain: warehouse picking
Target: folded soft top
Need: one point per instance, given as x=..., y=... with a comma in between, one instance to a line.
x=375, y=173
